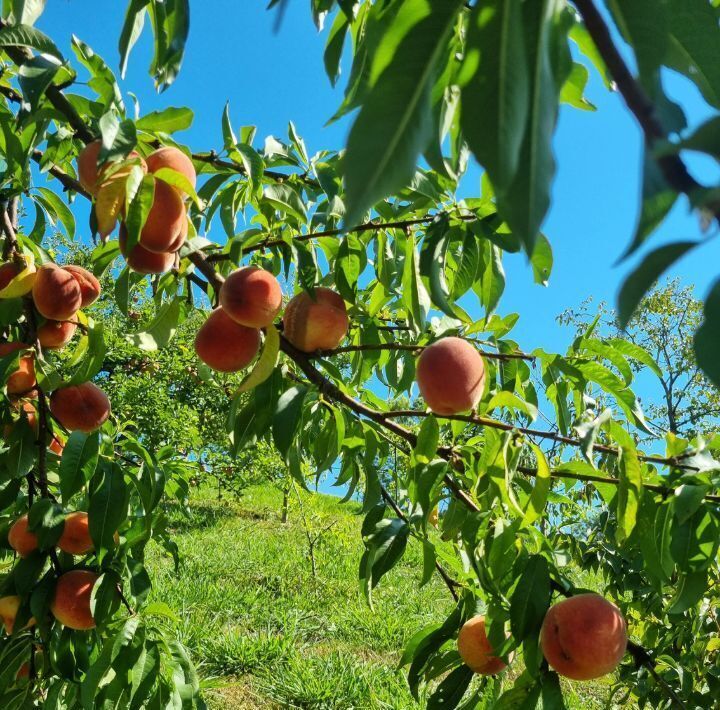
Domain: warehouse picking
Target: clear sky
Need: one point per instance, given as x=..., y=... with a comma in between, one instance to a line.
x=233, y=54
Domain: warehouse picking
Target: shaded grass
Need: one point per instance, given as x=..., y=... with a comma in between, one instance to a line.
x=266, y=634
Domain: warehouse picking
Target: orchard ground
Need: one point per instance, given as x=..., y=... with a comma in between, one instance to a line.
x=265, y=634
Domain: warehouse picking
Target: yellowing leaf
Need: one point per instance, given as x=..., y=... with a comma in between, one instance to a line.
x=266, y=362
x=23, y=282
x=109, y=202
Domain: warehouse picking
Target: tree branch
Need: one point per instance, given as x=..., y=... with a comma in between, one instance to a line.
x=411, y=348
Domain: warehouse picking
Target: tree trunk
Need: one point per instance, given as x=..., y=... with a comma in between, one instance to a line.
x=285, y=504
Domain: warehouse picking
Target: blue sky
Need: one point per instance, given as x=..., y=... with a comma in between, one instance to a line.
x=233, y=54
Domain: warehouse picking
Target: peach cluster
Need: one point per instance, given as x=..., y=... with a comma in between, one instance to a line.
x=250, y=299
x=166, y=227
x=582, y=638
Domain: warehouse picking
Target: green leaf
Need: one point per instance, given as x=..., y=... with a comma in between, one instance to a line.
x=350, y=262
x=707, y=337
x=163, y=328
x=414, y=295
x=34, y=77
x=427, y=440
x=59, y=209
x=542, y=260
x=286, y=418
x=180, y=181
x=496, y=88
x=26, y=12
x=108, y=508
x=27, y=36
x=78, y=462
x=641, y=280
x=531, y=598
x=691, y=588
x=168, y=120
x=93, y=354
x=395, y=122
x=450, y=692
x=543, y=483
x=266, y=362
x=525, y=202
x=334, y=47
x=285, y=199
x=631, y=484
x=131, y=30
x=118, y=137
x=47, y=520
x=138, y=210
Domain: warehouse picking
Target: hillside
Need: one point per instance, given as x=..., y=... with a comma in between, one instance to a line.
x=266, y=634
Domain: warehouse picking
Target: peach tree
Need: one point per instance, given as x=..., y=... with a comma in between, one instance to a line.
x=359, y=300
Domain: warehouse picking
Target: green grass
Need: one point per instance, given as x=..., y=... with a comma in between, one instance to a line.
x=266, y=634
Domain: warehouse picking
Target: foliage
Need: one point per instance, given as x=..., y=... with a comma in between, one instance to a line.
x=515, y=510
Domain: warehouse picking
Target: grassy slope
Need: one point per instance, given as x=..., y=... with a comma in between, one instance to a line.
x=265, y=634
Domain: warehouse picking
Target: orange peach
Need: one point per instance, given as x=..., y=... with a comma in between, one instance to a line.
x=475, y=649
x=56, y=293
x=71, y=602
x=318, y=323
x=55, y=334
x=584, y=637
x=21, y=539
x=82, y=407
x=451, y=376
x=9, y=607
x=165, y=221
x=23, y=378
x=75, y=538
x=251, y=297
x=89, y=285
x=174, y=159
x=91, y=174
x=143, y=261
x=224, y=345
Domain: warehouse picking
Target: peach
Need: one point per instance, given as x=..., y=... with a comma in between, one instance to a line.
x=224, y=345
x=583, y=637
x=23, y=272
x=56, y=293
x=165, y=220
x=174, y=159
x=23, y=378
x=9, y=607
x=75, y=538
x=251, y=297
x=91, y=174
x=451, y=376
x=8, y=272
x=55, y=334
x=89, y=285
x=71, y=602
x=21, y=539
x=318, y=323
x=143, y=261
x=82, y=407
x=56, y=445
x=475, y=649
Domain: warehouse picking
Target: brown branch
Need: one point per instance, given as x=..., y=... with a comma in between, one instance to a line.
x=673, y=168
x=411, y=348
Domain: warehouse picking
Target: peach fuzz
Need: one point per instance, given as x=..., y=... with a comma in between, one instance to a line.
x=75, y=538
x=21, y=539
x=318, y=323
x=71, y=602
x=23, y=378
x=89, y=285
x=143, y=261
x=475, y=649
x=82, y=407
x=174, y=159
x=251, y=296
x=165, y=220
x=56, y=293
x=55, y=334
x=9, y=607
x=451, y=376
x=584, y=637
x=224, y=345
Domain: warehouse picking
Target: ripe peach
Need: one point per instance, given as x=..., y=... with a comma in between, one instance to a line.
x=224, y=345
x=165, y=220
x=451, y=376
x=56, y=293
x=91, y=174
x=75, y=538
x=318, y=323
x=9, y=607
x=71, y=602
x=55, y=334
x=89, y=285
x=21, y=539
x=475, y=649
x=11, y=270
x=82, y=407
x=23, y=379
x=143, y=261
x=251, y=297
x=8, y=272
x=583, y=637
x=56, y=445
x=174, y=159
